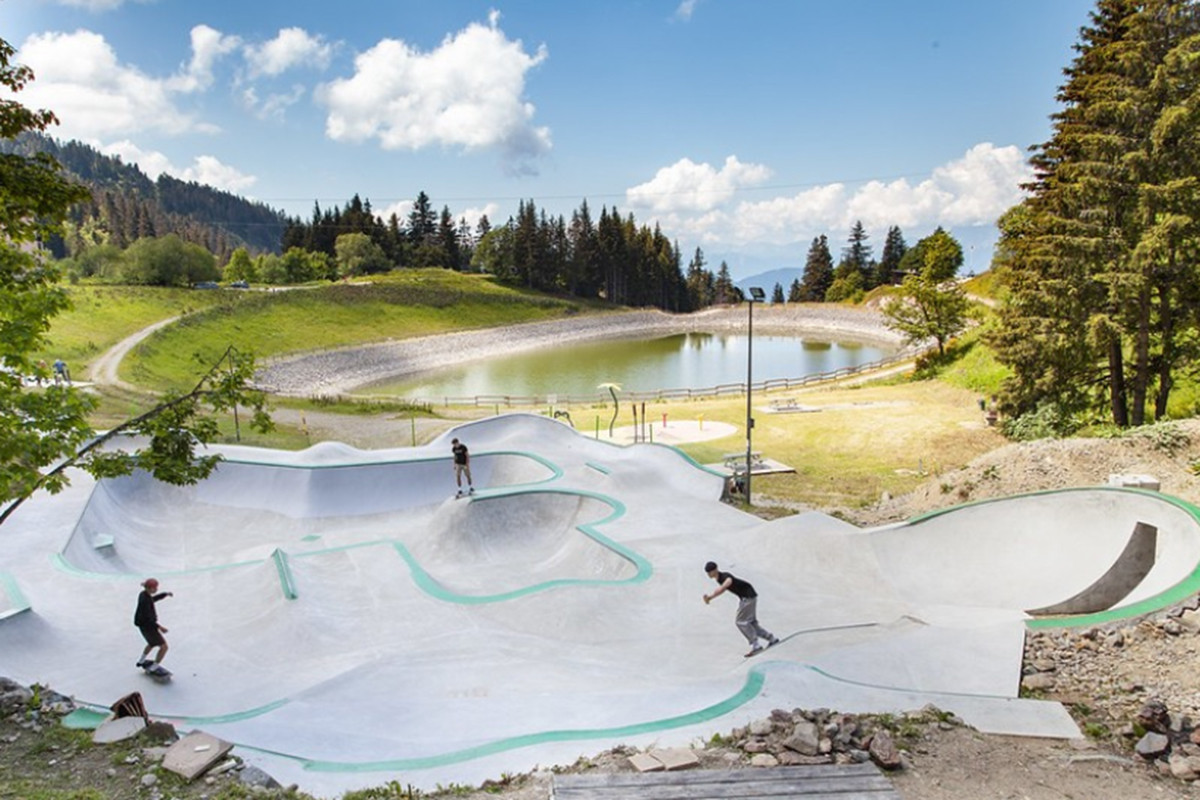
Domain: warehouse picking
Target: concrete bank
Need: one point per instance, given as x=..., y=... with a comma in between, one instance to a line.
x=344, y=370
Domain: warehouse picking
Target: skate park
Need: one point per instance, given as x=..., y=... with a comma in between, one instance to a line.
x=345, y=620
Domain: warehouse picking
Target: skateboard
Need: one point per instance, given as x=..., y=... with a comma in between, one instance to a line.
x=762, y=650
x=461, y=494
x=158, y=672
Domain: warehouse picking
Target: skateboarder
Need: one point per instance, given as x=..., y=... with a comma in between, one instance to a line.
x=462, y=465
x=146, y=620
x=747, y=617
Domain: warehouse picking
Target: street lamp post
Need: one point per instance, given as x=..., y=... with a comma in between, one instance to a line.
x=756, y=296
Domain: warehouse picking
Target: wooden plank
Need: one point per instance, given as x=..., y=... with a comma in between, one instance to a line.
x=816, y=782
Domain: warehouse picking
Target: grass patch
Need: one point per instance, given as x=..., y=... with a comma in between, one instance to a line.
x=101, y=316
x=403, y=305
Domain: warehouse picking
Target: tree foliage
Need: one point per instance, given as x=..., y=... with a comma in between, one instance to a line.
x=1101, y=259
x=44, y=430
x=931, y=304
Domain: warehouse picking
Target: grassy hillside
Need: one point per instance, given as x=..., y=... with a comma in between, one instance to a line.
x=400, y=305
x=101, y=316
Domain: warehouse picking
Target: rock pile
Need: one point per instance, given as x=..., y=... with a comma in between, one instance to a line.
x=1132, y=684
x=33, y=709
x=821, y=736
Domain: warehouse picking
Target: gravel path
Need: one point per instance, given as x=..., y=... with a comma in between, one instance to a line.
x=341, y=371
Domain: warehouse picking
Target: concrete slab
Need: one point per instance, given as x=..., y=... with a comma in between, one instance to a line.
x=341, y=615
x=192, y=755
x=118, y=730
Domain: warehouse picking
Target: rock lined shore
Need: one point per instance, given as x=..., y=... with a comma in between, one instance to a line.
x=340, y=371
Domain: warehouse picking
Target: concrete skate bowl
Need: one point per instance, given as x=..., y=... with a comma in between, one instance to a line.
x=495, y=548
x=246, y=510
x=1037, y=551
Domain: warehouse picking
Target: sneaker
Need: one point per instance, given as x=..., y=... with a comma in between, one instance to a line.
x=774, y=640
x=143, y=663
x=754, y=650
x=471, y=490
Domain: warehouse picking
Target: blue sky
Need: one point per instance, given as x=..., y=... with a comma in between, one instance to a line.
x=743, y=127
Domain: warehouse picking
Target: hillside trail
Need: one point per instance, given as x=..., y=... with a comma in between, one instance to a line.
x=103, y=371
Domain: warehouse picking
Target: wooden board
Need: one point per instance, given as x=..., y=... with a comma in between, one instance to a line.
x=818, y=782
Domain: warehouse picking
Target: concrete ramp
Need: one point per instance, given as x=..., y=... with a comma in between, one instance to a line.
x=345, y=622
x=1126, y=573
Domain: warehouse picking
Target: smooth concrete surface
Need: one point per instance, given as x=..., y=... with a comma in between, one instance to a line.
x=345, y=621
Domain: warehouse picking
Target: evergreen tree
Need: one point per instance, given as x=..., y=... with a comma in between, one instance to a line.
x=724, y=290
x=856, y=257
x=777, y=294
x=818, y=271
x=1100, y=310
x=894, y=248
x=795, y=292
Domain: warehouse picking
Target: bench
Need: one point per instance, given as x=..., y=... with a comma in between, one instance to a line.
x=845, y=782
x=734, y=460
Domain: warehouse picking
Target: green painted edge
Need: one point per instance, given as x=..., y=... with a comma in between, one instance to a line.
x=17, y=600
x=428, y=584
x=90, y=715
x=750, y=689
x=598, y=468
x=285, y=574
x=84, y=719
x=1185, y=588
x=554, y=468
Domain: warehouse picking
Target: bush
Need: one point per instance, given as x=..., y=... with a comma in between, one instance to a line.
x=1047, y=422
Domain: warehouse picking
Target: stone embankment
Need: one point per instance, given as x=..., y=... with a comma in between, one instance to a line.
x=343, y=370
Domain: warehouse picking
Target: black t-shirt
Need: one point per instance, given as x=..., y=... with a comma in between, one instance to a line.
x=741, y=588
x=460, y=453
x=146, y=615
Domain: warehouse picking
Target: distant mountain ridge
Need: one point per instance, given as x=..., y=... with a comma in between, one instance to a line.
x=126, y=205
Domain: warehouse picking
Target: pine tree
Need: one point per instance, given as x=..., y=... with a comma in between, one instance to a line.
x=894, y=248
x=818, y=271
x=1099, y=308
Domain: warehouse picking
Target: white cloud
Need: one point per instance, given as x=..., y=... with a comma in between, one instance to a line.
x=699, y=201
x=207, y=170
x=208, y=45
x=97, y=5
x=685, y=9
x=211, y=172
x=151, y=162
x=401, y=209
x=292, y=47
x=688, y=186
x=275, y=105
x=465, y=94
x=93, y=94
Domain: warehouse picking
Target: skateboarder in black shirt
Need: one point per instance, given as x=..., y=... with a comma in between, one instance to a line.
x=747, y=617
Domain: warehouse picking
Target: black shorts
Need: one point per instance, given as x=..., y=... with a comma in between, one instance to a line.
x=152, y=635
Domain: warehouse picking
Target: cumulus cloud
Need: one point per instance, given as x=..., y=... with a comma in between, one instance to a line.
x=467, y=94
x=699, y=200
x=93, y=94
x=688, y=186
x=291, y=48
x=207, y=170
x=208, y=45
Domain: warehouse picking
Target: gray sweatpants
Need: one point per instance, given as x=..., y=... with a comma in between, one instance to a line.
x=747, y=621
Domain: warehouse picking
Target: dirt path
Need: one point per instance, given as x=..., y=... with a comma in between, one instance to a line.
x=104, y=371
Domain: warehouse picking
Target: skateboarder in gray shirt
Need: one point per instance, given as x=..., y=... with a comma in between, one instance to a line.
x=747, y=613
